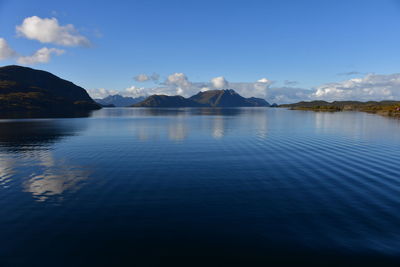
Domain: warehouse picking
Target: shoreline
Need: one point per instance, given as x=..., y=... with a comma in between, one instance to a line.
x=383, y=108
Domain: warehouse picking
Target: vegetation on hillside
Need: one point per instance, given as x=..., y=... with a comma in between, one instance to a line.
x=27, y=90
x=387, y=108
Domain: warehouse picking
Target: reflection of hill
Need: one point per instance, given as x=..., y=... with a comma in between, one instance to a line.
x=23, y=134
x=218, y=111
x=48, y=114
x=189, y=111
x=179, y=124
x=174, y=112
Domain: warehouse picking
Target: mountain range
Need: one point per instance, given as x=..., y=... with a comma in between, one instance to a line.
x=211, y=98
x=119, y=101
x=24, y=89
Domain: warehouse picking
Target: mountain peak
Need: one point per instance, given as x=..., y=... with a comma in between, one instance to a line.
x=167, y=101
x=226, y=98
x=211, y=98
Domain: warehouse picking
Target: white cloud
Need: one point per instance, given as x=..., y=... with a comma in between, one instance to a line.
x=42, y=55
x=282, y=95
x=259, y=88
x=6, y=51
x=176, y=84
x=264, y=80
x=178, y=79
x=48, y=30
x=219, y=82
x=134, y=91
x=101, y=93
x=144, y=77
x=370, y=87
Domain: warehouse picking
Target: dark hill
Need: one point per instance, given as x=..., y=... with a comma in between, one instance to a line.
x=258, y=102
x=164, y=101
x=227, y=98
x=119, y=100
x=24, y=89
x=213, y=98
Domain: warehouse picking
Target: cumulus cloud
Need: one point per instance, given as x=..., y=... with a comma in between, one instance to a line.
x=370, y=87
x=6, y=51
x=134, y=91
x=42, y=55
x=281, y=95
x=178, y=79
x=219, y=82
x=176, y=84
x=101, y=93
x=144, y=77
x=48, y=30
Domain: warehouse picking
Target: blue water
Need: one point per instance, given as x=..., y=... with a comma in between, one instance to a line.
x=200, y=187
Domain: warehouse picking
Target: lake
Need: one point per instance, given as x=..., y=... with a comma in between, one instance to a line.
x=200, y=187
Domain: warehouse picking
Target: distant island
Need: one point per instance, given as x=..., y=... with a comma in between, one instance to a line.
x=386, y=108
x=25, y=90
x=211, y=98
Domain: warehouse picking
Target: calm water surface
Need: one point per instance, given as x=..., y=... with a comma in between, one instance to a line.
x=206, y=187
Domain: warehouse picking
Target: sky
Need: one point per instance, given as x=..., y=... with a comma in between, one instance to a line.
x=281, y=50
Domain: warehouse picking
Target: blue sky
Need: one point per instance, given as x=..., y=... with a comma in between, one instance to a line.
x=311, y=43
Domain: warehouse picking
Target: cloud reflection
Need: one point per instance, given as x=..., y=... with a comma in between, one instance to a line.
x=177, y=131
x=54, y=177
x=218, y=128
x=31, y=149
x=6, y=170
